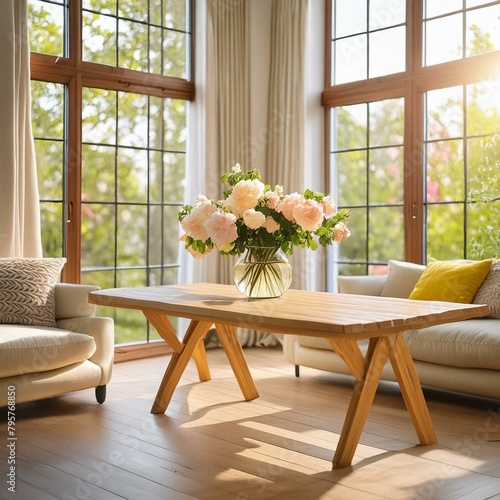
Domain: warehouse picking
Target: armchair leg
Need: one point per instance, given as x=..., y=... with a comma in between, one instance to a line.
x=100, y=394
x=297, y=370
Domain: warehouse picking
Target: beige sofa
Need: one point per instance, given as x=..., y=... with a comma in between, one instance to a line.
x=41, y=361
x=461, y=357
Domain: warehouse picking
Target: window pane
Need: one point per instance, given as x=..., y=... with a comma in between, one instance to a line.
x=174, y=168
x=386, y=176
x=175, y=49
x=349, y=17
x=172, y=233
x=51, y=220
x=98, y=173
x=367, y=34
x=483, y=108
x=132, y=239
x=104, y=6
x=380, y=41
x=482, y=30
x=350, y=171
x=132, y=175
x=445, y=116
x=98, y=237
x=445, y=231
x=385, y=13
x=443, y=40
x=463, y=174
x=99, y=38
x=133, y=45
x=483, y=179
x=49, y=163
x=48, y=124
x=445, y=171
x=176, y=14
x=433, y=8
x=483, y=230
x=355, y=248
x=387, y=122
x=350, y=60
x=368, y=178
x=136, y=10
x=444, y=37
x=152, y=36
x=385, y=234
x=349, y=127
x=132, y=120
x=483, y=213
x=47, y=26
x=99, y=116
x=130, y=326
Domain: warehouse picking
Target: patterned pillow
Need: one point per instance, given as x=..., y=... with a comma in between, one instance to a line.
x=489, y=291
x=27, y=290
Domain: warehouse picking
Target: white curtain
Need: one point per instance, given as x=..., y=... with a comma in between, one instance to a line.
x=20, y=220
x=287, y=107
x=227, y=106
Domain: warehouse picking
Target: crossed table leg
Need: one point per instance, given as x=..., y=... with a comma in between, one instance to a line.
x=192, y=346
x=367, y=371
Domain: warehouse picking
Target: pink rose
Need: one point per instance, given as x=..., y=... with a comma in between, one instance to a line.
x=288, y=204
x=329, y=207
x=253, y=219
x=245, y=195
x=193, y=223
x=309, y=215
x=271, y=225
x=341, y=232
x=221, y=228
x=198, y=255
x=272, y=199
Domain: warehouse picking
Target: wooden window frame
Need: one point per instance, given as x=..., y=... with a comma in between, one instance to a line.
x=410, y=85
x=76, y=74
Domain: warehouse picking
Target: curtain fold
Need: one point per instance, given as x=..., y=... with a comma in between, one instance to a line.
x=20, y=222
x=227, y=106
x=287, y=99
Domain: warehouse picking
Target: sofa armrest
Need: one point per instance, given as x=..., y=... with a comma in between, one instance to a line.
x=362, y=285
x=103, y=332
x=72, y=300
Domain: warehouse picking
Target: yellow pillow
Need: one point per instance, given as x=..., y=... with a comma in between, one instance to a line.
x=451, y=281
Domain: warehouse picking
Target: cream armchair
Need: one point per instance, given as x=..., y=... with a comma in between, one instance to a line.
x=39, y=362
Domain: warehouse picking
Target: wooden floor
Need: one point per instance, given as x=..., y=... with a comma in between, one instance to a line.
x=210, y=444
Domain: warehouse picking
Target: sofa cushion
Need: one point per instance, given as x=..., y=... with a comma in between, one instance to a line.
x=30, y=349
x=489, y=291
x=451, y=281
x=401, y=278
x=474, y=343
x=27, y=290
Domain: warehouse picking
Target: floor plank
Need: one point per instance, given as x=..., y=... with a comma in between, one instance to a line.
x=211, y=444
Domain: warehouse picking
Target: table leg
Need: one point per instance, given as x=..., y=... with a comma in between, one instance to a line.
x=194, y=334
x=350, y=352
x=361, y=401
x=404, y=369
x=166, y=331
x=229, y=340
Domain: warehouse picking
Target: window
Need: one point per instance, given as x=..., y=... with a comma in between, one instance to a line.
x=111, y=87
x=415, y=129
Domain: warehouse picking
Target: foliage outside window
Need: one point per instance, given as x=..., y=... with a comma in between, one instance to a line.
x=110, y=139
x=415, y=142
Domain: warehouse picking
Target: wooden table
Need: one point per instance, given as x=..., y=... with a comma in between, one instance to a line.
x=340, y=318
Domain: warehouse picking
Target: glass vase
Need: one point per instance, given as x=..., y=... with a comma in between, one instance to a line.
x=263, y=272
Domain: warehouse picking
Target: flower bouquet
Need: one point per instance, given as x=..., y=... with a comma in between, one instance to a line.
x=264, y=223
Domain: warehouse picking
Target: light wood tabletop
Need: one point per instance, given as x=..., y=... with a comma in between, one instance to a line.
x=340, y=318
